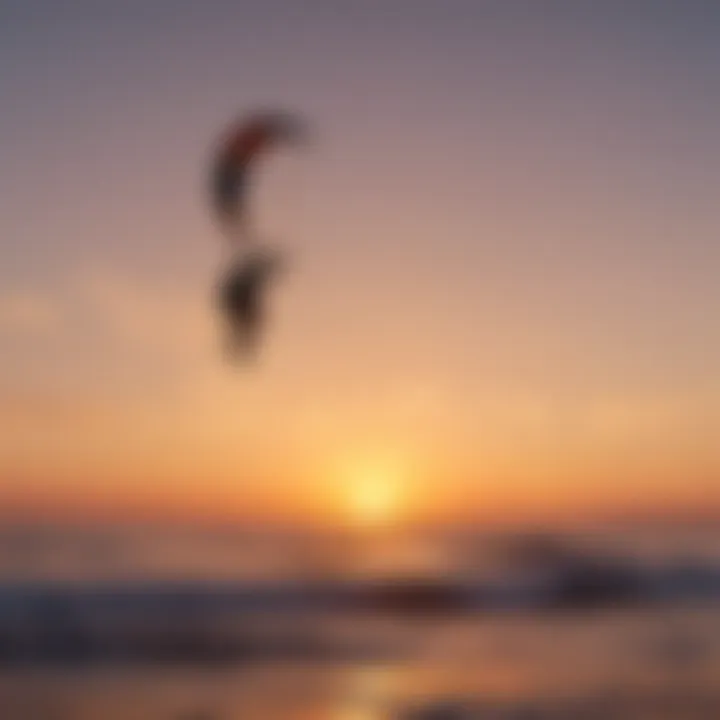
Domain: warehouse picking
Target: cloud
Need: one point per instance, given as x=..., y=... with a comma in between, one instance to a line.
x=98, y=308
x=28, y=314
x=157, y=315
x=113, y=334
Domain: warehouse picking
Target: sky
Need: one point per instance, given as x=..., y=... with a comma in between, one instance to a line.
x=502, y=295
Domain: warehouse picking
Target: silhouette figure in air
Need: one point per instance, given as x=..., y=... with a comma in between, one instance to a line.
x=242, y=301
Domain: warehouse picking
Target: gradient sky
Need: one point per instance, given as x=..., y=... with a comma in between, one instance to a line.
x=504, y=293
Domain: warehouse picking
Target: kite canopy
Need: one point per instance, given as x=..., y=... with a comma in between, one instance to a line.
x=239, y=150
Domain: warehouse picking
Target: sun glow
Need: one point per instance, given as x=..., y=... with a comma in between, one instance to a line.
x=374, y=495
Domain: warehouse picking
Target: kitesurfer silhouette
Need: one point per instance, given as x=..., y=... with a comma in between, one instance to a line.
x=242, y=301
x=243, y=286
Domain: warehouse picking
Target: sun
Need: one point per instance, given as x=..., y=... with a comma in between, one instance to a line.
x=374, y=495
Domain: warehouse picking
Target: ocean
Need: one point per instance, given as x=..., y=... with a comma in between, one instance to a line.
x=194, y=624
